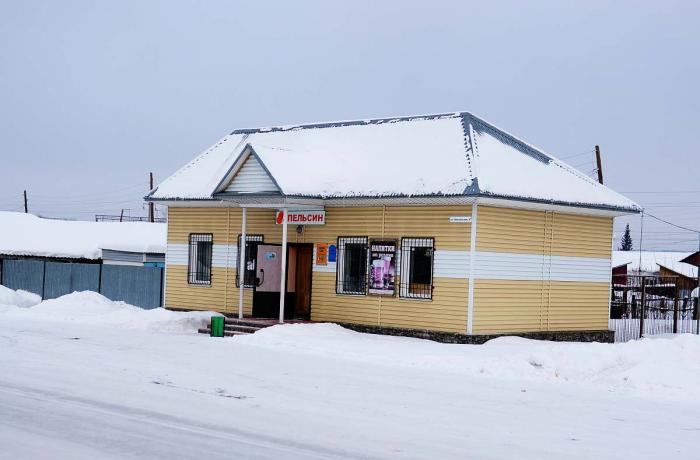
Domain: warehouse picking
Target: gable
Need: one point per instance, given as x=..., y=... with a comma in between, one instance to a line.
x=252, y=177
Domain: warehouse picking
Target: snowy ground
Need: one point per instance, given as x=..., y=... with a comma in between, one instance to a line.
x=83, y=377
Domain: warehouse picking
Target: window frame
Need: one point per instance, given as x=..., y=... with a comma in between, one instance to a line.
x=340, y=264
x=238, y=257
x=192, y=278
x=405, y=266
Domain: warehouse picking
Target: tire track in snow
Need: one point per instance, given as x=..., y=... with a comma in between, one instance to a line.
x=127, y=431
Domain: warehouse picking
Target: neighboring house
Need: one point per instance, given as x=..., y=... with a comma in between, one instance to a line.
x=440, y=223
x=693, y=259
x=686, y=276
x=644, y=263
x=656, y=264
x=53, y=257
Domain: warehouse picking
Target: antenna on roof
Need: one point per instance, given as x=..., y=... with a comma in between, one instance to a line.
x=599, y=164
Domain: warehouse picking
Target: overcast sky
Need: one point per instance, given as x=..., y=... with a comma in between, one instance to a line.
x=94, y=95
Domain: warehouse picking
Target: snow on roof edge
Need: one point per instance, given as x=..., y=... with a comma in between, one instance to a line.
x=467, y=118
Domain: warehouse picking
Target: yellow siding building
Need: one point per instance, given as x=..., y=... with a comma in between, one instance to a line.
x=434, y=223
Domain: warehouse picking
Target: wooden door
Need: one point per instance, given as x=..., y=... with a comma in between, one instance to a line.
x=302, y=288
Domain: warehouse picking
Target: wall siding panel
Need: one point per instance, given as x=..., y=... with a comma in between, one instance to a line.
x=541, y=271
x=534, y=270
x=447, y=310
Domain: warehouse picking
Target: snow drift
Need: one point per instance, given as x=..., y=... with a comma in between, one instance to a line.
x=92, y=308
x=19, y=298
x=666, y=365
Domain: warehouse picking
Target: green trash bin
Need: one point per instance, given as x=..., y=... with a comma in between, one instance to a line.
x=217, y=326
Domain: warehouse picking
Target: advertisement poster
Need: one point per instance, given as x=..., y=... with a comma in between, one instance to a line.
x=382, y=267
x=321, y=253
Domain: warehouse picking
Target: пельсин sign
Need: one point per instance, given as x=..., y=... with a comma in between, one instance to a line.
x=302, y=217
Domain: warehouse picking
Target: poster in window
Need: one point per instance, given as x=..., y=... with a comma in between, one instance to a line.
x=382, y=267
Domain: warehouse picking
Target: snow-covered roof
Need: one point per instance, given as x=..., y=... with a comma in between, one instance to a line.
x=681, y=268
x=29, y=235
x=650, y=260
x=438, y=155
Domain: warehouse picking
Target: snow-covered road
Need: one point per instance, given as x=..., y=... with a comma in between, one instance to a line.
x=81, y=378
x=40, y=424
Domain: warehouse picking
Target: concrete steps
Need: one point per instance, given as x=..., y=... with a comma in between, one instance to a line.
x=235, y=326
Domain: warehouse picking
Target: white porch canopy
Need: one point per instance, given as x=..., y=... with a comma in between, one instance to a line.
x=284, y=208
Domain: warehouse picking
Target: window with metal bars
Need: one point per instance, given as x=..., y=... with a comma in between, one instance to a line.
x=416, y=281
x=351, y=268
x=199, y=260
x=251, y=252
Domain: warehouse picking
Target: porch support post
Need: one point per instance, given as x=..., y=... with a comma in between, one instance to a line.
x=472, y=263
x=241, y=265
x=283, y=277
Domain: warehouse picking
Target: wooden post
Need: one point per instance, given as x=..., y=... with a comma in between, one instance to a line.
x=643, y=307
x=121, y=216
x=599, y=164
x=26, y=210
x=151, y=217
x=283, y=277
x=241, y=262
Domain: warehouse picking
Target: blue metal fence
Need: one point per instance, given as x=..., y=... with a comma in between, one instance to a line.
x=137, y=285
x=27, y=275
x=63, y=278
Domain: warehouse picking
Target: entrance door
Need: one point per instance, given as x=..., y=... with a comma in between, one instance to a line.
x=302, y=284
x=268, y=270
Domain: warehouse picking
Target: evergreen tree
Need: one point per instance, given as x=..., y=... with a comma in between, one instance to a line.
x=626, y=242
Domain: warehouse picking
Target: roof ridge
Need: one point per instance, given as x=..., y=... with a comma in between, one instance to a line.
x=344, y=123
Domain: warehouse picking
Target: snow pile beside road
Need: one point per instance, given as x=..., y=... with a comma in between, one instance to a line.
x=92, y=308
x=19, y=298
x=666, y=365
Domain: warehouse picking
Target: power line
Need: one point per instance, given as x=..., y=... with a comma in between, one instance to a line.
x=664, y=191
x=671, y=223
x=589, y=152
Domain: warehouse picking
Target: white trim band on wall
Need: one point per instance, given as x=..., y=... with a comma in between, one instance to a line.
x=455, y=264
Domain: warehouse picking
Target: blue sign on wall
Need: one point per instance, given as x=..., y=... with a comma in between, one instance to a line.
x=332, y=253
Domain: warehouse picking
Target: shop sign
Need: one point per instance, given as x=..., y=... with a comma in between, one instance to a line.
x=302, y=217
x=460, y=219
x=321, y=253
x=382, y=267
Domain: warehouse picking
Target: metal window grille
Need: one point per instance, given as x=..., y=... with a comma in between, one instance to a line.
x=416, y=276
x=351, y=268
x=251, y=250
x=199, y=260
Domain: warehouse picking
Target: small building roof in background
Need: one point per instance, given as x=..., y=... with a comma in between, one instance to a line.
x=681, y=268
x=693, y=259
x=454, y=154
x=650, y=260
x=30, y=235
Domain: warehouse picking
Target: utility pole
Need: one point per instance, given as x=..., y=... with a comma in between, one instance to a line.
x=599, y=164
x=697, y=302
x=150, y=205
x=26, y=210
